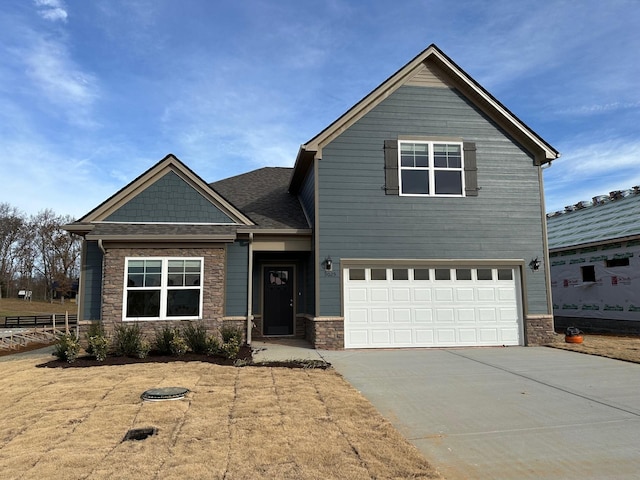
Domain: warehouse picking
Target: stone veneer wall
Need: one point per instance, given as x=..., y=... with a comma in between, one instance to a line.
x=326, y=333
x=213, y=286
x=539, y=330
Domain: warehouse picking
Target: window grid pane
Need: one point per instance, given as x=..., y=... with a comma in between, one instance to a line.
x=416, y=176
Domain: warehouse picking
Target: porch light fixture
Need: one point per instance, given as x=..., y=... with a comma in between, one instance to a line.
x=535, y=264
x=328, y=264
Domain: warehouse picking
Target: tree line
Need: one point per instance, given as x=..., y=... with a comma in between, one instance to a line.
x=37, y=255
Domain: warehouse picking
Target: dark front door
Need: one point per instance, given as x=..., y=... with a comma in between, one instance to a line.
x=277, y=316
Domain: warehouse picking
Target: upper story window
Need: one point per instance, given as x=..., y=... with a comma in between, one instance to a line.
x=431, y=168
x=161, y=288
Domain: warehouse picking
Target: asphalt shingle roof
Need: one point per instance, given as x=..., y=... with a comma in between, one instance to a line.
x=614, y=219
x=263, y=196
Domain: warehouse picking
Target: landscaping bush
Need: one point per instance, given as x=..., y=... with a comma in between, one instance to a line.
x=168, y=341
x=97, y=342
x=95, y=330
x=231, y=348
x=195, y=334
x=230, y=333
x=128, y=341
x=214, y=346
x=67, y=348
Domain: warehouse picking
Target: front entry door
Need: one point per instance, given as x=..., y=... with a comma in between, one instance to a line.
x=277, y=316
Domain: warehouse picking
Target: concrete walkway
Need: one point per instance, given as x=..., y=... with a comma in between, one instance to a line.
x=282, y=349
x=506, y=413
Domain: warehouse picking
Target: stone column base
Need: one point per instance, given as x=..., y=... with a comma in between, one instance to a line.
x=538, y=329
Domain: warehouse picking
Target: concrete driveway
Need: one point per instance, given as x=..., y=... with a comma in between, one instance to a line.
x=506, y=413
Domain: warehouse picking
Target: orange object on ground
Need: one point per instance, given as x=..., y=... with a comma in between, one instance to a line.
x=573, y=339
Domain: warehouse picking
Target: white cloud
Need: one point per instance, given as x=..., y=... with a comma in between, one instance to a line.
x=53, y=10
x=60, y=80
x=588, y=170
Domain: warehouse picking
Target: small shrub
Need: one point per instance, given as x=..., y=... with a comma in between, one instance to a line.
x=95, y=330
x=178, y=345
x=143, y=349
x=67, y=348
x=195, y=334
x=231, y=348
x=169, y=341
x=98, y=347
x=229, y=333
x=128, y=340
x=214, y=346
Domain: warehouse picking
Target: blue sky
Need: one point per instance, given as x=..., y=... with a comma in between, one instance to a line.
x=94, y=92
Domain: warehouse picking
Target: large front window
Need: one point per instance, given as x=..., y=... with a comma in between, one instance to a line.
x=431, y=168
x=163, y=288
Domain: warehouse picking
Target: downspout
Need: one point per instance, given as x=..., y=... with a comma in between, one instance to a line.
x=250, y=291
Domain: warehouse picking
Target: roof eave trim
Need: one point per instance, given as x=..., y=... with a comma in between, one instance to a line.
x=548, y=153
x=162, y=238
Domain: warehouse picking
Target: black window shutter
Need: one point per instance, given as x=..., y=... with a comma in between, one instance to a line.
x=470, y=169
x=391, y=186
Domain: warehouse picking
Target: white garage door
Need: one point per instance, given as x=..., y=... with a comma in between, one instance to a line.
x=431, y=307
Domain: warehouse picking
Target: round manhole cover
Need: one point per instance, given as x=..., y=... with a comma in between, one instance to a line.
x=166, y=393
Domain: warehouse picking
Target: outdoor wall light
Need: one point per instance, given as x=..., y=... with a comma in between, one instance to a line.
x=535, y=264
x=328, y=264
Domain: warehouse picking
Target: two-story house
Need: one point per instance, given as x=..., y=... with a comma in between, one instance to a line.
x=416, y=219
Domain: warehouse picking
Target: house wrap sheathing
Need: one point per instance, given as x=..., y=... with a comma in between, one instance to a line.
x=594, y=253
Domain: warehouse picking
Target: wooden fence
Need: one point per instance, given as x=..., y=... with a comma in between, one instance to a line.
x=35, y=321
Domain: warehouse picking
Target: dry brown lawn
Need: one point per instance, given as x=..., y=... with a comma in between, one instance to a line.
x=16, y=306
x=619, y=347
x=235, y=423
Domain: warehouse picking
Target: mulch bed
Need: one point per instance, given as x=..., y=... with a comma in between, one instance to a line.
x=244, y=359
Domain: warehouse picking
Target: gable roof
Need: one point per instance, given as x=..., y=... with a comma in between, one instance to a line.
x=169, y=165
x=262, y=195
x=602, y=221
x=435, y=67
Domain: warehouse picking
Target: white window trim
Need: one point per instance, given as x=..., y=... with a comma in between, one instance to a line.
x=164, y=287
x=431, y=169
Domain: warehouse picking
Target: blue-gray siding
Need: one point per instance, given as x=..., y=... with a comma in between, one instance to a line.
x=307, y=195
x=237, y=277
x=92, y=281
x=170, y=199
x=357, y=219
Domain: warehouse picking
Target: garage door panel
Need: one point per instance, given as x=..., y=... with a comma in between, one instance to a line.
x=466, y=315
x=358, y=315
x=506, y=294
x=486, y=294
x=379, y=294
x=489, y=335
x=423, y=315
x=446, y=336
x=467, y=336
x=487, y=315
x=402, y=337
x=443, y=294
x=401, y=315
x=422, y=294
x=401, y=294
x=464, y=294
x=358, y=338
x=381, y=337
x=379, y=315
x=414, y=308
x=509, y=334
x=445, y=315
x=508, y=314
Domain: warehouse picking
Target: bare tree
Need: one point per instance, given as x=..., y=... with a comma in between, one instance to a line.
x=58, y=252
x=12, y=223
